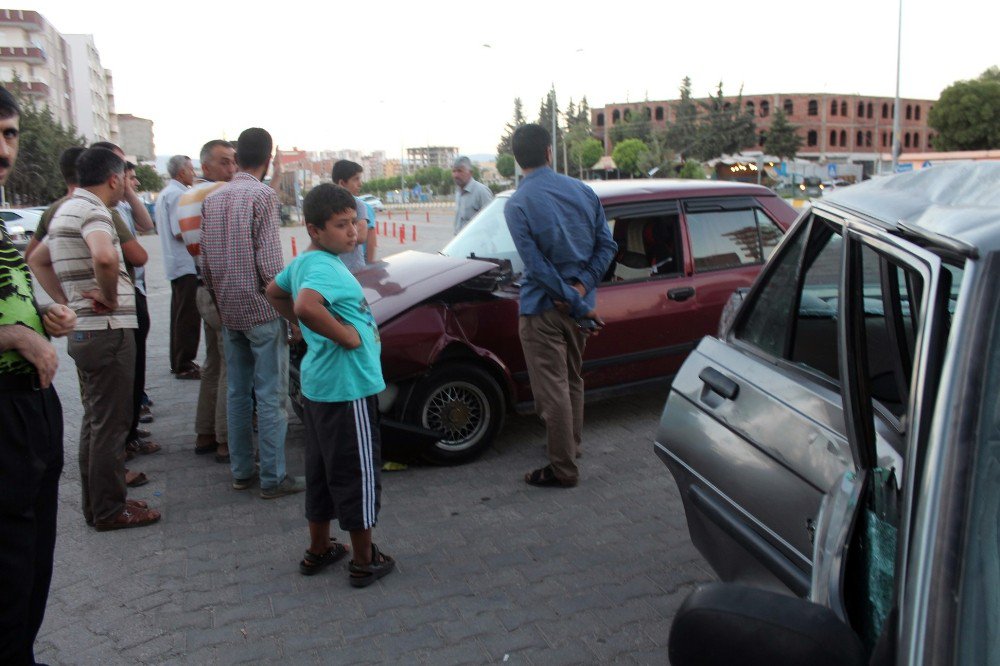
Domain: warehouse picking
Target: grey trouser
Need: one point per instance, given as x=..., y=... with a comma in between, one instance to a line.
x=105, y=364
x=210, y=419
x=553, y=349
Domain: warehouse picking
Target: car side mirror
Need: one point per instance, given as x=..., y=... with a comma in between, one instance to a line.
x=730, y=310
x=725, y=623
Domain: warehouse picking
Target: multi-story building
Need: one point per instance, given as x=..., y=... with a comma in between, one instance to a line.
x=833, y=126
x=136, y=137
x=431, y=156
x=33, y=53
x=92, y=90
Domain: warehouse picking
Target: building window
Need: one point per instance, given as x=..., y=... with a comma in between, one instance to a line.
x=789, y=107
x=648, y=112
x=843, y=108
x=812, y=138
x=762, y=138
x=868, y=139
x=870, y=114
x=909, y=112
x=843, y=138
x=916, y=112
x=833, y=108
x=885, y=142
x=930, y=140
x=628, y=115
x=659, y=113
x=916, y=140
x=859, y=137
x=750, y=108
x=765, y=109
x=615, y=116
x=906, y=140
x=600, y=120
x=885, y=110
x=813, y=108
x=833, y=137
x=861, y=109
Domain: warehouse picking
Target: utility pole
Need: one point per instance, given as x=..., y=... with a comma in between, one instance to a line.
x=897, y=147
x=555, y=155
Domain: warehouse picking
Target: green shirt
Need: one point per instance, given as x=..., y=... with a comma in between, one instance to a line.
x=17, y=303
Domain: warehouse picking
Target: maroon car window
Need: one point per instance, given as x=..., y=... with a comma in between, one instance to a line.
x=724, y=239
x=647, y=246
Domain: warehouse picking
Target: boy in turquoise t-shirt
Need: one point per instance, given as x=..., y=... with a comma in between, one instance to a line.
x=341, y=376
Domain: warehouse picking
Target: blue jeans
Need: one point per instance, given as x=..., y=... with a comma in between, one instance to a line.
x=257, y=362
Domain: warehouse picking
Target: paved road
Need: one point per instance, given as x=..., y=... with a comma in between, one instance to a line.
x=490, y=570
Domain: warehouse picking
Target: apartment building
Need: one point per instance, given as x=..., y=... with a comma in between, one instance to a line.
x=136, y=137
x=37, y=59
x=93, y=91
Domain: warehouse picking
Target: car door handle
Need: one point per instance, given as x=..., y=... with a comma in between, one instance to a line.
x=680, y=293
x=719, y=383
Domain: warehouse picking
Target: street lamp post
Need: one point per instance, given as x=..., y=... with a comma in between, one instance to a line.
x=555, y=155
x=897, y=147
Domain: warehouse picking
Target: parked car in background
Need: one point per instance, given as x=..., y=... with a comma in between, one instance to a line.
x=840, y=439
x=21, y=224
x=451, y=355
x=373, y=201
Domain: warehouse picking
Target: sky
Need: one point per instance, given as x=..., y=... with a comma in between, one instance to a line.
x=391, y=74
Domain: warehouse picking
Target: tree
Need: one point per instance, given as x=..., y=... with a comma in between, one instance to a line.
x=628, y=155
x=584, y=154
x=683, y=132
x=725, y=127
x=658, y=158
x=967, y=116
x=693, y=170
x=149, y=180
x=782, y=140
x=36, y=178
x=505, y=165
x=504, y=146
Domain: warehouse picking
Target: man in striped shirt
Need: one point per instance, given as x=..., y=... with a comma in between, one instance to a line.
x=80, y=263
x=241, y=254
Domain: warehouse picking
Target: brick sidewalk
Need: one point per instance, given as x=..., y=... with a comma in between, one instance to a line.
x=490, y=570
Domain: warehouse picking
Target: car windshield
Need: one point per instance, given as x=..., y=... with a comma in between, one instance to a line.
x=487, y=236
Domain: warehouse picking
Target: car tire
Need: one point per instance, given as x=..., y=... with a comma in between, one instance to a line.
x=463, y=401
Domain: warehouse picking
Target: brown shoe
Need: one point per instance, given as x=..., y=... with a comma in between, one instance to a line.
x=205, y=444
x=130, y=516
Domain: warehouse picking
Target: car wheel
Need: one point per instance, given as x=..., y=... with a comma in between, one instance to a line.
x=465, y=403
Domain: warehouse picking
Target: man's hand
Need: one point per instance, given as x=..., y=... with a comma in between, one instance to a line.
x=40, y=353
x=296, y=332
x=59, y=320
x=102, y=305
x=591, y=324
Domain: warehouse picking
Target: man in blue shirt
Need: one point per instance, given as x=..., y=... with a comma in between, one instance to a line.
x=560, y=231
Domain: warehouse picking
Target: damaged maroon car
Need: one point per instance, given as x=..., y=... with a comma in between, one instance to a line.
x=451, y=356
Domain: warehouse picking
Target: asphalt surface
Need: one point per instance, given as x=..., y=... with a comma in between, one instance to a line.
x=490, y=570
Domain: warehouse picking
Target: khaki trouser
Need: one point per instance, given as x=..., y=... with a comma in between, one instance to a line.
x=210, y=418
x=553, y=349
x=105, y=364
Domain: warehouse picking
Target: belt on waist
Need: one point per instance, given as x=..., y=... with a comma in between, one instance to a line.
x=27, y=382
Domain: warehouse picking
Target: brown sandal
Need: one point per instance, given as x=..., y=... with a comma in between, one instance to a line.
x=139, y=445
x=138, y=479
x=130, y=516
x=545, y=477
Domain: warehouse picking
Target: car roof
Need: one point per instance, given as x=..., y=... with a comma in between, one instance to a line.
x=654, y=188
x=948, y=204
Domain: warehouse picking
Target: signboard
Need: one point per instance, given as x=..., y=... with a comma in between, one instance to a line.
x=926, y=164
x=903, y=168
x=832, y=170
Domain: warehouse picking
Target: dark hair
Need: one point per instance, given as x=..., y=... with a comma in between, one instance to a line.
x=345, y=170
x=8, y=104
x=206, y=150
x=529, y=143
x=67, y=163
x=95, y=166
x=107, y=144
x=324, y=201
x=253, y=148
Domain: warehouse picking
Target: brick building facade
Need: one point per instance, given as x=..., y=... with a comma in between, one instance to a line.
x=831, y=125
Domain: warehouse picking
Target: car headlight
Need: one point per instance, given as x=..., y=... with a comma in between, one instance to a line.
x=15, y=230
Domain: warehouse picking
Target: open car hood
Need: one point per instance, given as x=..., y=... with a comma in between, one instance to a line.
x=401, y=281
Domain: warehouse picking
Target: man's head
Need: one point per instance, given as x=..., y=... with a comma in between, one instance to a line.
x=10, y=129
x=67, y=164
x=330, y=212
x=181, y=169
x=347, y=174
x=461, y=170
x=532, y=145
x=131, y=179
x=218, y=161
x=253, y=149
x=102, y=172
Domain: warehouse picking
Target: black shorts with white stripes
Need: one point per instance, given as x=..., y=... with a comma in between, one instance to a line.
x=343, y=462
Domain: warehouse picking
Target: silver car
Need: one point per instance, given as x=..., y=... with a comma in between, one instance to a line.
x=21, y=224
x=840, y=439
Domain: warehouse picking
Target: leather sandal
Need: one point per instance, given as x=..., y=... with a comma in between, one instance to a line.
x=545, y=477
x=312, y=563
x=363, y=575
x=130, y=516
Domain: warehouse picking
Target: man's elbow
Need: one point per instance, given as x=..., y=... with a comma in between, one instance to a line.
x=106, y=260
